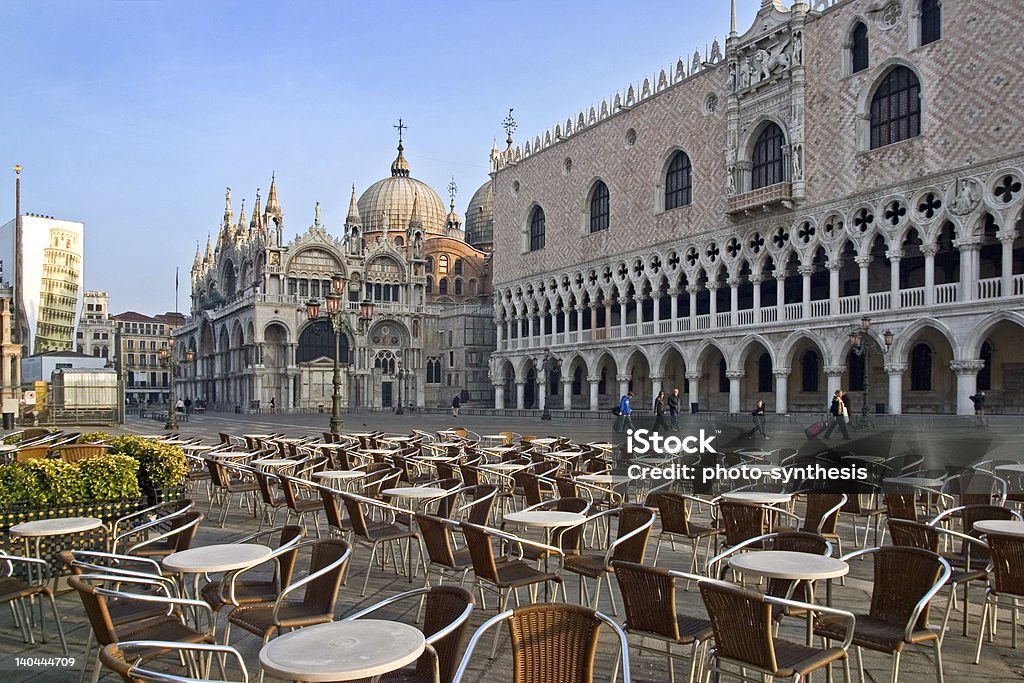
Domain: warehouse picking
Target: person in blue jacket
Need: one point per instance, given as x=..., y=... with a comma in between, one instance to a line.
x=625, y=411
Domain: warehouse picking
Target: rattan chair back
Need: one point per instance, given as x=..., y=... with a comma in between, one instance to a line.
x=901, y=505
x=482, y=553
x=322, y=592
x=902, y=576
x=1007, y=563
x=913, y=534
x=742, y=623
x=742, y=521
x=674, y=513
x=444, y=605
x=437, y=537
x=482, y=497
x=332, y=511
x=553, y=642
x=818, y=506
x=649, y=595
x=632, y=517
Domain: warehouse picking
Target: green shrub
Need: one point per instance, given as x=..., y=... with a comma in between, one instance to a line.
x=18, y=485
x=160, y=465
x=95, y=437
x=60, y=483
x=111, y=477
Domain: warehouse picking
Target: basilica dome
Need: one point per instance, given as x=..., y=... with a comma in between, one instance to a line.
x=395, y=197
x=479, y=223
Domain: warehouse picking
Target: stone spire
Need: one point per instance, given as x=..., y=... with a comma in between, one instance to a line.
x=229, y=216
x=197, y=261
x=256, y=224
x=273, y=206
x=353, y=209
x=240, y=228
x=732, y=18
x=208, y=258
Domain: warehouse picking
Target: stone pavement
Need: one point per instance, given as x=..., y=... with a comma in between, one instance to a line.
x=999, y=662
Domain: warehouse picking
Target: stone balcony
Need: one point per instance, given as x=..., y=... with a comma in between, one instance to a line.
x=777, y=196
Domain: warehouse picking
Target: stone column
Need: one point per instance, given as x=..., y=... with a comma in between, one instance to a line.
x=780, y=295
x=608, y=318
x=623, y=384
x=579, y=319
x=966, y=383
x=1006, y=238
x=673, y=304
x=542, y=389
x=289, y=399
x=593, y=318
x=693, y=289
x=894, y=256
x=734, y=389
x=834, y=373
x=781, y=390
x=969, y=248
x=520, y=394
x=595, y=399
x=655, y=311
x=833, y=286
x=929, y=251
x=566, y=393
x=693, y=387
x=755, y=281
x=895, y=372
x=622, y=315
x=734, y=298
x=864, y=262
x=712, y=288
x=655, y=387
x=543, y=328
x=529, y=331
x=805, y=300
x=499, y=395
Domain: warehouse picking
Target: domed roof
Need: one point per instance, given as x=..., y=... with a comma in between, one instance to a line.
x=479, y=223
x=396, y=197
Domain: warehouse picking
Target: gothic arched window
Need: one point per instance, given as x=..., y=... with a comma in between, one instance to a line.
x=442, y=286
x=859, y=48
x=985, y=374
x=931, y=21
x=921, y=368
x=764, y=373
x=769, y=164
x=599, y=209
x=537, y=229
x=678, y=182
x=723, y=378
x=896, y=108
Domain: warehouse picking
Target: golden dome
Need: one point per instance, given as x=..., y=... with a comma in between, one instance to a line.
x=396, y=196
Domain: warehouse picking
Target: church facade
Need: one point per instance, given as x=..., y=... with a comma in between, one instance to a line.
x=400, y=247
x=723, y=225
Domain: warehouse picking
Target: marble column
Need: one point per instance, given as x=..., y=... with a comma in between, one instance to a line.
x=734, y=389
x=833, y=286
x=595, y=398
x=1006, y=238
x=966, y=383
x=712, y=288
x=655, y=387
x=566, y=393
x=622, y=315
x=805, y=298
x=894, y=255
x=734, y=298
x=781, y=390
x=499, y=396
x=929, y=251
x=520, y=394
x=673, y=305
x=895, y=372
x=864, y=262
x=834, y=373
x=623, y=384
x=780, y=295
x=693, y=289
x=755, y=281
x=693, y=388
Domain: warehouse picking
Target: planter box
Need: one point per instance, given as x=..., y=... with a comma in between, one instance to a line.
x=157, y=496
x=108, y=511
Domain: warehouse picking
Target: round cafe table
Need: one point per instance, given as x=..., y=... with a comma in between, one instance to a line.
x=221, y=557
x=60, y=526
x=1006, y=527
x=342, y=650
x=922, y=482
x=757, y=497
x=546, y=519
x=264, y=463
x=415, y=492
x=344, y=476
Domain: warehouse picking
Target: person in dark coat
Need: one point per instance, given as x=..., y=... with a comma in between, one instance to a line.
x=839, y=415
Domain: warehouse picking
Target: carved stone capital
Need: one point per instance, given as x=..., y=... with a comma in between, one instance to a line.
x=734, y=281
x=833, y=266
x=863, y=261
x=692, y=289
x=967, y=367
x=735, y=374
x=623, y=378
x=895, y=368
x=894, y=254
x=805, y=271
x=693, y=376
x=655, y=378
x=594, y=379
x=929, y=249
x=756, y=279
x=782, y=372
x=834, y=370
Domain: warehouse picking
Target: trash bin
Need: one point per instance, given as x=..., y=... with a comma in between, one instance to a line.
x=694, y=408
x=238, y=410
x=8, y=420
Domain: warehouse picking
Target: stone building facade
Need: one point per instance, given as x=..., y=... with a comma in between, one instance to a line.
x=399, y=247
x=720, y=226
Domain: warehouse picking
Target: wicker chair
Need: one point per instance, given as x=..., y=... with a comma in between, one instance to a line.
x=374, y=533
x=130, y=660
x=967, y=566
x=178, y=537
x=270, y=495
x=448, y=610
x=567, y=539
x=744, y=633
x=857, y=508
x=1007, y=582
x=674, y=510
x=227, y=480
x=821, y=515
x=19, y=593
x=234, y=590
x=482, y=498
x=977, y=487
x=630, y=544
x=551, y=642
x=742, y=521
x=79, y=451
x=905, y=581
x=153, y=519
x=300, y=506
x=170, y=626
x=442, y=554
x=336, y=525
x=649, y=600
x=319, y=588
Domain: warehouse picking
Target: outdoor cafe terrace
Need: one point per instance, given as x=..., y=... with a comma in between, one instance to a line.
x=269, y=560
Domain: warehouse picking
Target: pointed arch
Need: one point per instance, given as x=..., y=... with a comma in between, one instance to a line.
x=971, y=344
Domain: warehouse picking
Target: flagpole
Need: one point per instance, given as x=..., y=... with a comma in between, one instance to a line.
x=175, y=289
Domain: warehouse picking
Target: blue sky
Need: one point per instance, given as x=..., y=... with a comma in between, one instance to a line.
x=133, y=116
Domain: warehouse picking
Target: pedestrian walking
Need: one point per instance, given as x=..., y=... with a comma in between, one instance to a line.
x=979, y=403
x=273, y=406
x=838, y=416
x=673, y=409
x=660, y=408
x=179, y=406
x=625, y=421
x=188, y=406
x=759, y=421
x=455, y=405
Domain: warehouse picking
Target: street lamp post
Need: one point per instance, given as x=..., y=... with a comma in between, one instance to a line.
x=400, y=375
x=337, y=313
x=168, y=360
x=861, y=343
x=549, y=365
